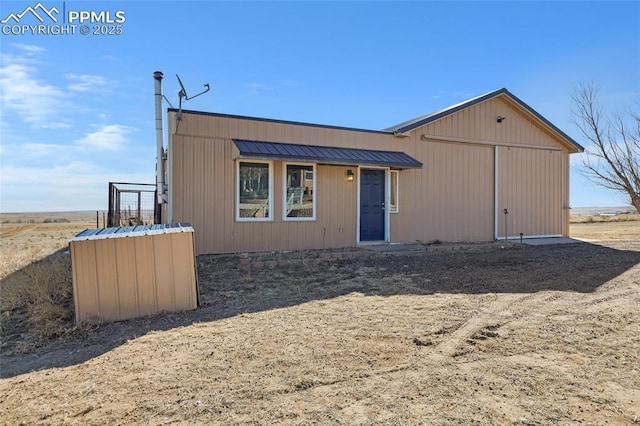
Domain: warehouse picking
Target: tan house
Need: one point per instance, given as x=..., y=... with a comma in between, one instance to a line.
x=254, y=184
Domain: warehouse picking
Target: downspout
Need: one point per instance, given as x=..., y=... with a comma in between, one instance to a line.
x=496, y=188
x=161, y=187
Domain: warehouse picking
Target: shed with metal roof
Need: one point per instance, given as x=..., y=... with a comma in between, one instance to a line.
x=127, y=272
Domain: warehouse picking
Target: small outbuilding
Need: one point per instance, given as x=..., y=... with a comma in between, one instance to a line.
x=487, y=168
x=128, y=272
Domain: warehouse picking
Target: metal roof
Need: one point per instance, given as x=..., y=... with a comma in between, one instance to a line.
x=131, y=231
x=426, y=119
x=325, y=154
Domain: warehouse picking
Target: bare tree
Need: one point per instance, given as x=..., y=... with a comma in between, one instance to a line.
x=613, y=158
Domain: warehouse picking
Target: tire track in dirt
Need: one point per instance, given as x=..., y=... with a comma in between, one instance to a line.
x=496, y=315
x=17, y=231
x=563, y=366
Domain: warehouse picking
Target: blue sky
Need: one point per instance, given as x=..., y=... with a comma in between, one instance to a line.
x=77, y=110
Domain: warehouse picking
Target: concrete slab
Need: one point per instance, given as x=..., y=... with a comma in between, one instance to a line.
x=395, y=247
x=547, y=241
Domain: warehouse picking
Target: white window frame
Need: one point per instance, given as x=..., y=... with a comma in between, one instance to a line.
x=284, y=192
x=237, y=186
x=397, y=208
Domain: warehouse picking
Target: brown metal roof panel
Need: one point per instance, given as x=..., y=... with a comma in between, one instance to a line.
x=324, y=154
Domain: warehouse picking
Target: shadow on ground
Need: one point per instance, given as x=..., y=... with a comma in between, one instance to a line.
x=279, y=280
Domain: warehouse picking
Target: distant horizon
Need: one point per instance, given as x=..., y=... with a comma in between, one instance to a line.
x=621, y=207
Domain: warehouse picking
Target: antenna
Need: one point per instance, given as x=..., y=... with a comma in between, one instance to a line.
x=183, y=93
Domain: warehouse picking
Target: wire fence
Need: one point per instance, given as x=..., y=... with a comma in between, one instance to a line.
x=131, y=204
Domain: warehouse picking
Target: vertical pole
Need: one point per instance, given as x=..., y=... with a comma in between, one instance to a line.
x=111, y=205
x=160, y=184
x=97, y=219
x=506, y=234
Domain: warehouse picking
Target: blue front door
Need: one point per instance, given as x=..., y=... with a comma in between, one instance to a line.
x=372, y=208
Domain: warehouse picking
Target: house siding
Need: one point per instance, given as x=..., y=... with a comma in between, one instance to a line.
x=451, y=198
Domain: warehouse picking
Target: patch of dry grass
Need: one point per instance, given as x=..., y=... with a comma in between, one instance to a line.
x=36, y=291
x=578, y=218
x=604, y=231
x=36, y=302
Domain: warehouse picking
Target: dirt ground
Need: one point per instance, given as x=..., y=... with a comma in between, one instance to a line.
x=444, y=334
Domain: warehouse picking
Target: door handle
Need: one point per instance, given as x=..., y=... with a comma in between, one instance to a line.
x=382, y=205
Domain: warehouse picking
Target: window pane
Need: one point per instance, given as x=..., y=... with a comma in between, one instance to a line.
x=254, y=190
x=299, y=191
x=394, y=191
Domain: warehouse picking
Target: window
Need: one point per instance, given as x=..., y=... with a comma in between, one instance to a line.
x=394, y=175
x=255, y=181
x=299, y=190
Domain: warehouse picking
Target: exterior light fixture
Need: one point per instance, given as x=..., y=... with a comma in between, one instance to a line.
x=500, y=119
x=350, y=176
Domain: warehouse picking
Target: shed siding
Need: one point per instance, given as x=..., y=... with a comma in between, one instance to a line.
x=145, y=276
x=127, y=277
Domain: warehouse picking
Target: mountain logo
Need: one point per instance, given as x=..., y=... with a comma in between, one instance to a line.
x=38, y=11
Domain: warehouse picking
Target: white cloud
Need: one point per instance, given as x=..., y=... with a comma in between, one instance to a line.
x=290, y=83
x=31, y=150
x=85, y=82
x=30, y=49
x=36, y=102
x=256, y=88
x=111, y=137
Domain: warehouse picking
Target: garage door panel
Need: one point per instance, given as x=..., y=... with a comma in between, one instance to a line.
x=530, y=188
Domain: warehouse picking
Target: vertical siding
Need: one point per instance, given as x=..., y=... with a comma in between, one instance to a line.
x=183, y=270
x=125, y=269
x=205, y=188
x=85, y=280
x=566, y=203
x=145, y=276
x=121, y=278
x=530, y=187
x=479, y=123
x=108, y=300
x=451, y=198
x=164, y=284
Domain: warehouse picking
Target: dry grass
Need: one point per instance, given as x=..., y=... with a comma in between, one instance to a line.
x=578, y=218
x=606, y=230
x=36, y=286
x=36, y=302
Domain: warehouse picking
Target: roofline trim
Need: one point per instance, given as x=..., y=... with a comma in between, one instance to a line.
x=272, y=120
x=413, y=124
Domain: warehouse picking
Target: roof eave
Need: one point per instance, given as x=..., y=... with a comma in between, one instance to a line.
x=574, y=147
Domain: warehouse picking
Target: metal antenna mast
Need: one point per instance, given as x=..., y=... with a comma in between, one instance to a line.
x=183, y=93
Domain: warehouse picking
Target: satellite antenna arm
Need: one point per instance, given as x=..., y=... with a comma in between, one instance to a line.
x=206, y=89
x=183, y=92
